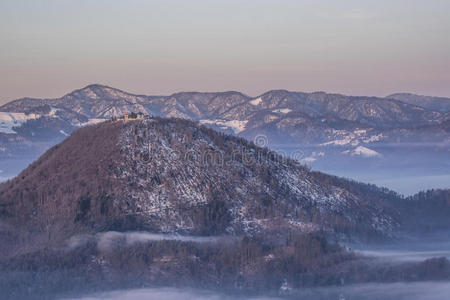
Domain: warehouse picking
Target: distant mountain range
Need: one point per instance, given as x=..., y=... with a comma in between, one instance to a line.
x=325, y=128
x=441, y=104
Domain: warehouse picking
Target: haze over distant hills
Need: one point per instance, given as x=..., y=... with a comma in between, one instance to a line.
x=328, y=131
x=435, y=103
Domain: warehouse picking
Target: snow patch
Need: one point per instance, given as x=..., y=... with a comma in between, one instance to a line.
x=342, y=142
x=9, y=120
x=308, y=160
x=270, y=118
x=236, y=125
x=93, y=122
x=53, y=112
x=282, y=110
x=374, y=138
x=63, y=132
x=362, y=151
x=312, y=158
x=256, y=101
x=360, y=132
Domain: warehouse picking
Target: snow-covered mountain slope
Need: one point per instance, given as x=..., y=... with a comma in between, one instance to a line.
x=318, y=122
x=96, y=101
x=172, y=175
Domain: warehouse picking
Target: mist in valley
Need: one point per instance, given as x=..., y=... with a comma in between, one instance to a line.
x=394, y=291
x=66, y=286
x=396, y=253
x=406, y=168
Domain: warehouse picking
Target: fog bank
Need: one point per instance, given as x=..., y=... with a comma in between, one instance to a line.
x=107, y=240
x=397, y=291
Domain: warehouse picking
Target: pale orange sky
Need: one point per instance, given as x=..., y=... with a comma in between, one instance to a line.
x=51, y=47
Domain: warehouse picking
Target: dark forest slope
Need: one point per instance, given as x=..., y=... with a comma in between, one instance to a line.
x=171, y=175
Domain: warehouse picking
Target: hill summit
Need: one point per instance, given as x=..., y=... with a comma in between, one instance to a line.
x=176, y=176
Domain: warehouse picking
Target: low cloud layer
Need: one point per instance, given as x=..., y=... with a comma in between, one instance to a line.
x=106, y=240
x=404, y=256
x=397, y=291
x=164, y=294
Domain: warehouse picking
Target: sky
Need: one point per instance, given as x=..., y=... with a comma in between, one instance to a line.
x=51, y=47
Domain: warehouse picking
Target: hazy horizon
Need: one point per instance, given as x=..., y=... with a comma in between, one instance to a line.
x=49, y=48
x=205, y=91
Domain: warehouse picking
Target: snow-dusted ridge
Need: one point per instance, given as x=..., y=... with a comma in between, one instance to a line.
x=8, y=120
x=336, y=122
x=194, y=181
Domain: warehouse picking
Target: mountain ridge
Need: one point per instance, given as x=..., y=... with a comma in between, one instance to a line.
x=162, y=175
x=441, y=104
x=101, y=87
x=332, y=124
x=194, y=105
